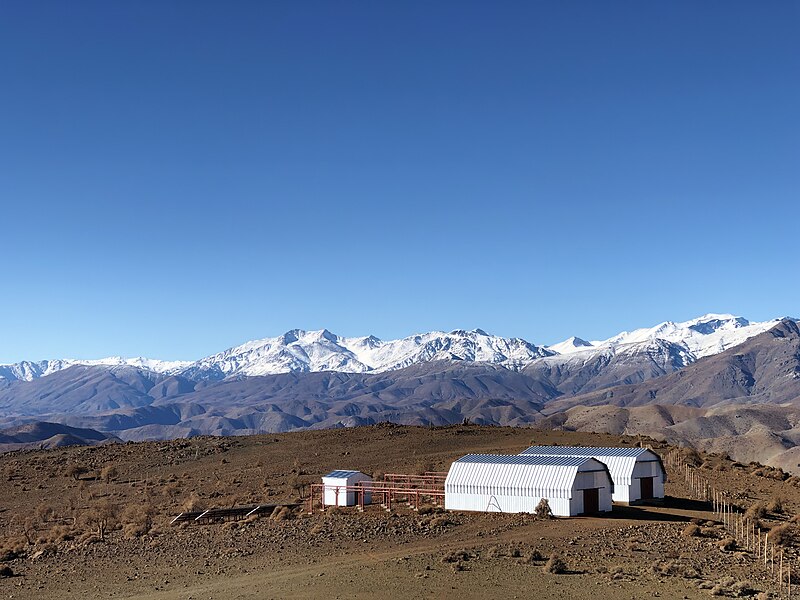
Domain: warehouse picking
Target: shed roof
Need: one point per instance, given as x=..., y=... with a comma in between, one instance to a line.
x=547, y=476
x=342, y=474
x=620, y=461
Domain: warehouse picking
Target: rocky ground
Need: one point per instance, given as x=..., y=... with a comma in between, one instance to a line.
x=56, y=505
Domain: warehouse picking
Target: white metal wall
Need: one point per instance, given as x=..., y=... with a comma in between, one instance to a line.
x=336, y=493
x=510, y=488
x=504, y=503
x=627, y=468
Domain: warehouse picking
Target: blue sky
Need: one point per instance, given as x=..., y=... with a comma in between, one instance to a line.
x=179, y=177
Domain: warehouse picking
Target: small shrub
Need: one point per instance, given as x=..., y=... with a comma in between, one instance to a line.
x=727, y=544
x=691, y=530
x=281, y=513
x=441, y=521
x=456, y=556
x=775, y=505
x=109, y=473
x=495, y=552
x=516, y=553
x=555, y=565
x=6, y=572
x=691, y=457
x=532, y=556
x=543, y=510
x=757, y=510
x=192, y=503
x=75, y=471
x=782, y=535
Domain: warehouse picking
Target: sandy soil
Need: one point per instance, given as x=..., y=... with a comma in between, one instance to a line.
x=635, y=552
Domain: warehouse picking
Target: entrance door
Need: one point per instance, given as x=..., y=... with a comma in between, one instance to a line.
x=647, y=488
x=591, y=500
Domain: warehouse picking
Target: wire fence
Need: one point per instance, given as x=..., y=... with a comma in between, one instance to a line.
x=745, y=531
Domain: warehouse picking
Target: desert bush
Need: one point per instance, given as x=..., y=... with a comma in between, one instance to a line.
x=515, y=553
x=691, y=457
x=192, y=503
x=11, y=548
x=691, y=530
x=171, y=490
x=675, y=568
x=109, y=473
x=727, y=544
x=441, y=521
x=6, y=572
x=101, y=518
x=75, y=471
x=495, y=552
x=543, y=510
x=44, y=513
x=138, y=519
x=532, y=556
x=282, y=513
x=783, y=534
x=555, y=565
x=775, y=505
x=757, y=510
x=456, y=556
x=728, y=586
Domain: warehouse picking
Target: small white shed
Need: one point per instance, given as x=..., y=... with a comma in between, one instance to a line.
x=638, y=473
x=342, y=488
x=513, y=484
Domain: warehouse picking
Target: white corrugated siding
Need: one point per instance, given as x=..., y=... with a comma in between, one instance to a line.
x=518, y=483
x=626, y=465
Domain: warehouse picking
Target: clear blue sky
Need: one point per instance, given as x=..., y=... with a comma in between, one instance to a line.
x=179, y=177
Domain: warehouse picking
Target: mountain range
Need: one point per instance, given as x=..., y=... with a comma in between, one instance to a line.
x=692, y=382
x=314, y=351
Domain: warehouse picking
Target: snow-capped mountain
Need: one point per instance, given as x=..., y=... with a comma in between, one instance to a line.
x=29, y=370
x=703, y=336
x=312, y=351
x=308, y=351
x=629, y=357
x=570, y=345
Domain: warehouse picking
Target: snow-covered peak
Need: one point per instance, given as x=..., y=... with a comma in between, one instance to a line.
x=307, y=351
x=29, y=370
x=703, y=336
x=299, y=350
x=570, y=345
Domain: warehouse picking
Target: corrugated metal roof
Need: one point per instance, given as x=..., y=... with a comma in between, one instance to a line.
x=620, y=461
x=521, y=459
x=342, y=474
x=546, y=476
x=585, y=451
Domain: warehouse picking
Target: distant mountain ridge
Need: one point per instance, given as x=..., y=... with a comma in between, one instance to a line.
x=744, y=400
x=315, y=351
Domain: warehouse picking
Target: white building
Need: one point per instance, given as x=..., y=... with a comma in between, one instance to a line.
x=513, y=484
x=342, y=488
x=638, y=473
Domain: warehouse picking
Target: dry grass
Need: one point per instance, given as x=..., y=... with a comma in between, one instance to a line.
x=691, y=530
x=783, y=534
x=727, y=544
x=555, y=565
x=775, y=505
x=757, y=510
